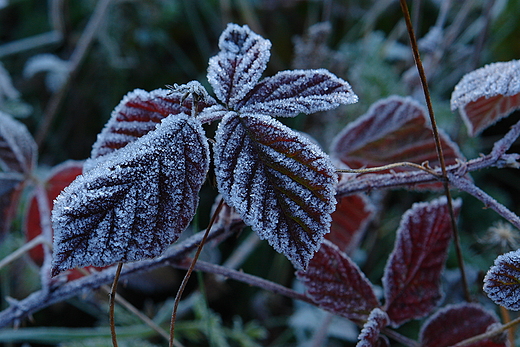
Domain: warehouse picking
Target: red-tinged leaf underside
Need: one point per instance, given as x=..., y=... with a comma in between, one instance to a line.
x=18, y=151
x=483, y=112
x=138, y=113
x=456, y=323
x=60, y=177
x=412, y=275
x=369, y=336
x=136, y=202
x=393, y=130
x=280, y=183
x=487, y=94
x=349, y=221
x=337, y=284
x=242, y=59
x=502, y=281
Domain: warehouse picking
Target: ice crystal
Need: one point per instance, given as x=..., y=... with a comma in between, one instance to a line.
x=502, y=281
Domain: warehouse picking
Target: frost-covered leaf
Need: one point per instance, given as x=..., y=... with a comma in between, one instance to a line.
x=487, y=94
x=411, y=279
x=456, y=323
x=278, y=181
x=289, y=93
x=134, y=203
x=18, y=151
x=57, y=69
x=369, y=336
x=138, y=113
x=337, y=284
x=393, y=130
x=349, y=221
x=502, y=281
x=242, y=59
x=59, y=178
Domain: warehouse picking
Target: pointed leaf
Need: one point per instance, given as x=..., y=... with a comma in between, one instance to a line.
x=393, y=130
x=136, y=202
x=369, y=336
x=278, y=181
x=242, y=59
x=289, y=93
x=349, y=221
x=412, y=275
x=456, y=323
x=138, y=113
x=337, y=284
x=18, y=151
x=502, y=281
x=487, y=94
x=59, y=178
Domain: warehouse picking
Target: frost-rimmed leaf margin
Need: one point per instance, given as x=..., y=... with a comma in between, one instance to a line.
x=18, y=150
x=280, y=183
x=502, y=281
x=135, y=202
x=334, y=282
x=411, y=279
x=487, y=95
x=369, y=336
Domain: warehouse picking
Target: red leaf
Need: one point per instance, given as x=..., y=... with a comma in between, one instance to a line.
x=502, y=281
x=337, y=284
x=487, y=94
x=369, y=336
x=412, y=275
x=456, y=323
x=138, y=113
x=60, y=177
x=349, y=221
x=393, y=130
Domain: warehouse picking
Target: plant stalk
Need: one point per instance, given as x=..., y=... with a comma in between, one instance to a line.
x=112, y=296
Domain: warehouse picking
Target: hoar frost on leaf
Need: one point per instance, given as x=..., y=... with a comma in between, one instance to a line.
x=502, y=281
x=136, y=202
x=487, y=94
x=369, y=336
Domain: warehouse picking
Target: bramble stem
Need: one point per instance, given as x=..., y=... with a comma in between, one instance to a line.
x=190, y=271
x=387, y=167
x=112, y=296
x=488, y=334
x=438, y=145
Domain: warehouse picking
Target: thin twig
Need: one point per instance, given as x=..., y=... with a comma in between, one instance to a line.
x=488, y=335
x=388, y=167
x=22, y=250
x=190, y=270
x=112, y=302
x=438, y=145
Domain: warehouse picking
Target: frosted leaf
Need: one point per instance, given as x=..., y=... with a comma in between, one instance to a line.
x=349, y=221
x=57, y=70
x=393, y=130
x=18, y=151
x=369, y=336
x=502, y=281
x=280, y=183
x=134, y=203
x=487, y=94
x=412, y=275
x=138, y=113
x=336, y=283
x=242, y=59
x=289, y=93
x=456, y=323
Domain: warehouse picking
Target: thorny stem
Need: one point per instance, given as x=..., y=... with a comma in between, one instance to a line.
x=112, y=301
x=190, y=271
x=438, y=145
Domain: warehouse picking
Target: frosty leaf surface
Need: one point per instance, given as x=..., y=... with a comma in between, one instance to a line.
x=289, y=93
x=136, y=202
x=456, y=323
x=487, y=94
x=242, y=59
x=280, y=183
x=349, y=221
x=59, y=178
x=369, y=336
x=394, y=129
x=411, y=279
x=502, y=281
x=139, y=113
x=337, y=284
x=18, y=151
